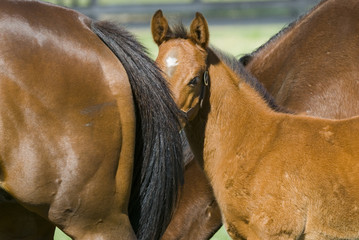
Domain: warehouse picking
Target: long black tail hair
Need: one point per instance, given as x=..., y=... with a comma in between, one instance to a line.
x=158, y=167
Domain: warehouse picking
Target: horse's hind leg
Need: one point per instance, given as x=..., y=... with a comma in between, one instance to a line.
x=16, y=222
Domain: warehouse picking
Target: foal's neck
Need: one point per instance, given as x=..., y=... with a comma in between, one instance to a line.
x=233, y=100
x=237, y=117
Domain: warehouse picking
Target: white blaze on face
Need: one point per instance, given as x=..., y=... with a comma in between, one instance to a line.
x=171, y=63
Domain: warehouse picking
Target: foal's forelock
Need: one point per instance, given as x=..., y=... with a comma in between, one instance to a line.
x=178, y=31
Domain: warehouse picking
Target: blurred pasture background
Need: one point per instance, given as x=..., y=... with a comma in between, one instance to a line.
x=236, y=26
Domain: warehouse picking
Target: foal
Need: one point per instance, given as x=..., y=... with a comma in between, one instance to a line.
x=274, y=175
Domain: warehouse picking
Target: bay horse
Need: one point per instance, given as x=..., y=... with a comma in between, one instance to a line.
x=275, y=175
x=89, y=132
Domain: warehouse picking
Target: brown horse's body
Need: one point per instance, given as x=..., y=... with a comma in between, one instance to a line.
x=274, y=175
x=68, y=128
x=316, y=44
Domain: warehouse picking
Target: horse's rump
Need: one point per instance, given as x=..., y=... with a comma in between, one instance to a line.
x=67, y=122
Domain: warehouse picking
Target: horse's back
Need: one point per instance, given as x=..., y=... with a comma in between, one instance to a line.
x=315, y=68
x=66, y=119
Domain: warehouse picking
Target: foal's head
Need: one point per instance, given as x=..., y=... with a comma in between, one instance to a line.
x=183, y=58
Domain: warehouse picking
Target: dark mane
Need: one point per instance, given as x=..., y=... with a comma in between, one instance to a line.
x=239, y=69
x=158, y=166
x=248, y=57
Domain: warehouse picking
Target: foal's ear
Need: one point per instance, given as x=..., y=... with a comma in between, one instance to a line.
x=199, y=30
x=159, y=27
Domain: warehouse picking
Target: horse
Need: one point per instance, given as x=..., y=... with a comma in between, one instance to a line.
x=89, y=132
x=290, y=79
x=275, y=175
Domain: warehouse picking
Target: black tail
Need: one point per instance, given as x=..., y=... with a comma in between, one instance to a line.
x=158, y=162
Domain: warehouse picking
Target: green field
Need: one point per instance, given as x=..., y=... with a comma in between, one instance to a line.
x=234, y=39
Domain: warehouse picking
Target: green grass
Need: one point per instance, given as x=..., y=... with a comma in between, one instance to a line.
x=221, y=235
x=59, y=235
x=234, y=39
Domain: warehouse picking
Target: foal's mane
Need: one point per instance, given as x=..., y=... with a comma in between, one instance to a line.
x=240, y=71
x=248, y=57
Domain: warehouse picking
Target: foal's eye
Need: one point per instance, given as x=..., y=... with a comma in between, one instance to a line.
x=194, y=82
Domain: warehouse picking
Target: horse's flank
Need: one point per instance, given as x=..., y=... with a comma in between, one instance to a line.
x=50, y=133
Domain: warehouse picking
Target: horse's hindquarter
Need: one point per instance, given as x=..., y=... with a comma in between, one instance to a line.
x=66, y=115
